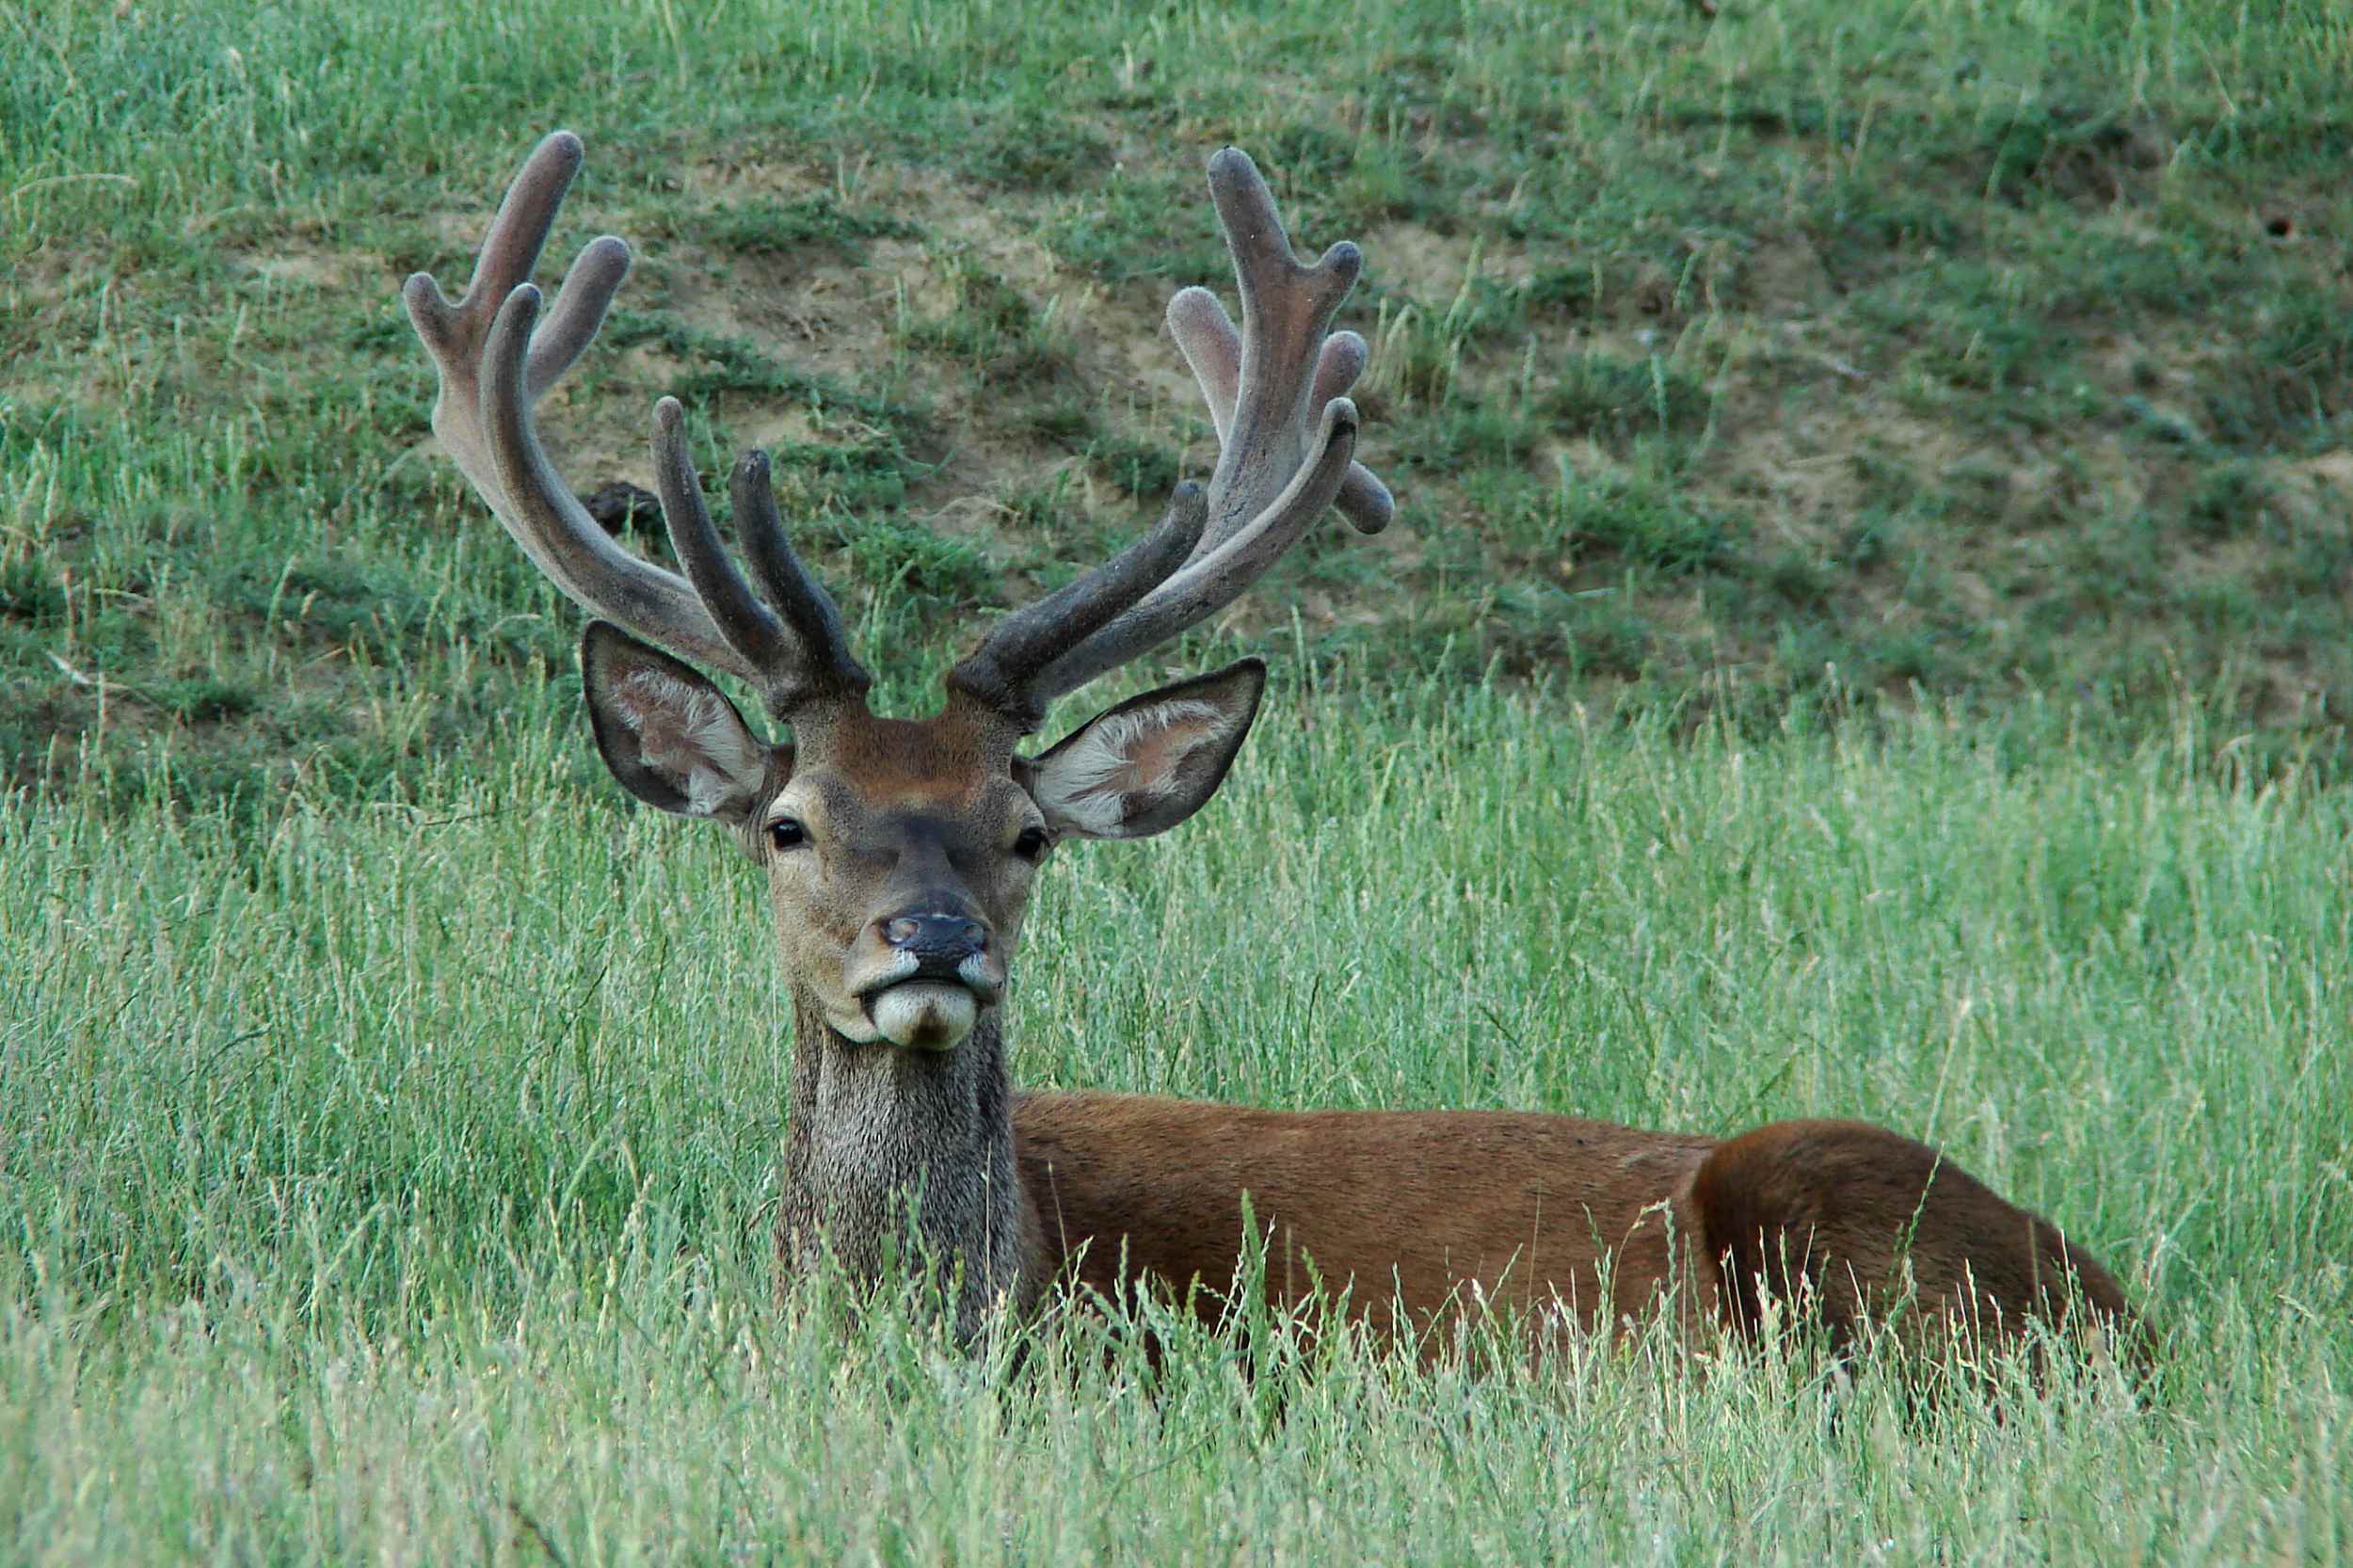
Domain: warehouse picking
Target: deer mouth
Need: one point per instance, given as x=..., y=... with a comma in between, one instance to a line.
x=923, y=1015
x=931, y=1007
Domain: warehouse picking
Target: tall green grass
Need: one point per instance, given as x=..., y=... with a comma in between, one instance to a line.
x=394, y=1182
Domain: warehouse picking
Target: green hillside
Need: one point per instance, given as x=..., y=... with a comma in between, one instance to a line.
x=1793, y=351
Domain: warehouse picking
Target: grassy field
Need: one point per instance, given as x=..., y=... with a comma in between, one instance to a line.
x=394, y=1183
x=1868, y=634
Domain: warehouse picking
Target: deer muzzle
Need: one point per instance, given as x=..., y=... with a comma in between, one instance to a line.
x=941, y=971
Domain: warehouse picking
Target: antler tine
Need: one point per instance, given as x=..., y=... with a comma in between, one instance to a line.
x=750, y=628
x=1213, y=348
x=804, y=657
x=495, y=367
x=829, y=669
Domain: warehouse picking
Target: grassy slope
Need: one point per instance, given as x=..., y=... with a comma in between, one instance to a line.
x=1873, y=344
x=386, y=1123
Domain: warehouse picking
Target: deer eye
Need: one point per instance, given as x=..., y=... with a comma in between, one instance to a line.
x=787, y=833
x=1031, y=844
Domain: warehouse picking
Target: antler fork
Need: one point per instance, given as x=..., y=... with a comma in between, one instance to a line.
x=1286, y=446
x=495, y=367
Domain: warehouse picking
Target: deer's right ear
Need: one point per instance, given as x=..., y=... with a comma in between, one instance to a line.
x=671, y=737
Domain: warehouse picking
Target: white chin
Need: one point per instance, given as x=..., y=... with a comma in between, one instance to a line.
x=920, y=1015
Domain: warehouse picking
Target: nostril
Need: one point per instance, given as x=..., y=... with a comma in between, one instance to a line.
x=933, y=934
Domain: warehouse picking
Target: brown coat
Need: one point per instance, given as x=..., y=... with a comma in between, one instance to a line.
x=1550, y=1214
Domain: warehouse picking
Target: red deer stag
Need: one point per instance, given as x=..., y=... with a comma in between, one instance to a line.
x=900, y=854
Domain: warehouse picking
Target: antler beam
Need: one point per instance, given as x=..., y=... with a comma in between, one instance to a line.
x=1287, y=448
x=494, y=368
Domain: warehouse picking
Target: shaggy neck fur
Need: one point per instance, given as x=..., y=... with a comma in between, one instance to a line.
x=877, y=1133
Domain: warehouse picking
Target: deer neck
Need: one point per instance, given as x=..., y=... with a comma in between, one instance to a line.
x=887, y=1147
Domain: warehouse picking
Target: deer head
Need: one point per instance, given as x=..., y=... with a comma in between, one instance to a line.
x=900, y=853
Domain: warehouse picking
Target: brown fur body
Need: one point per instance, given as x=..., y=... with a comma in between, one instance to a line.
x=1551, y=1216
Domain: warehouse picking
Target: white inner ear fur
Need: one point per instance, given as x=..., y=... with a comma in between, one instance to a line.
x=690, y=735
x=1125, y=757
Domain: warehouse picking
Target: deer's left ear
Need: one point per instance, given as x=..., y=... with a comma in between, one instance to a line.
x=1145, y=766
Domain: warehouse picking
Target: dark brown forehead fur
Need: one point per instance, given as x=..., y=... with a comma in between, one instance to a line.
x=940, y=763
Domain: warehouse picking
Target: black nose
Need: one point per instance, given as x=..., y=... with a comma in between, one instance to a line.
x=938, y=942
